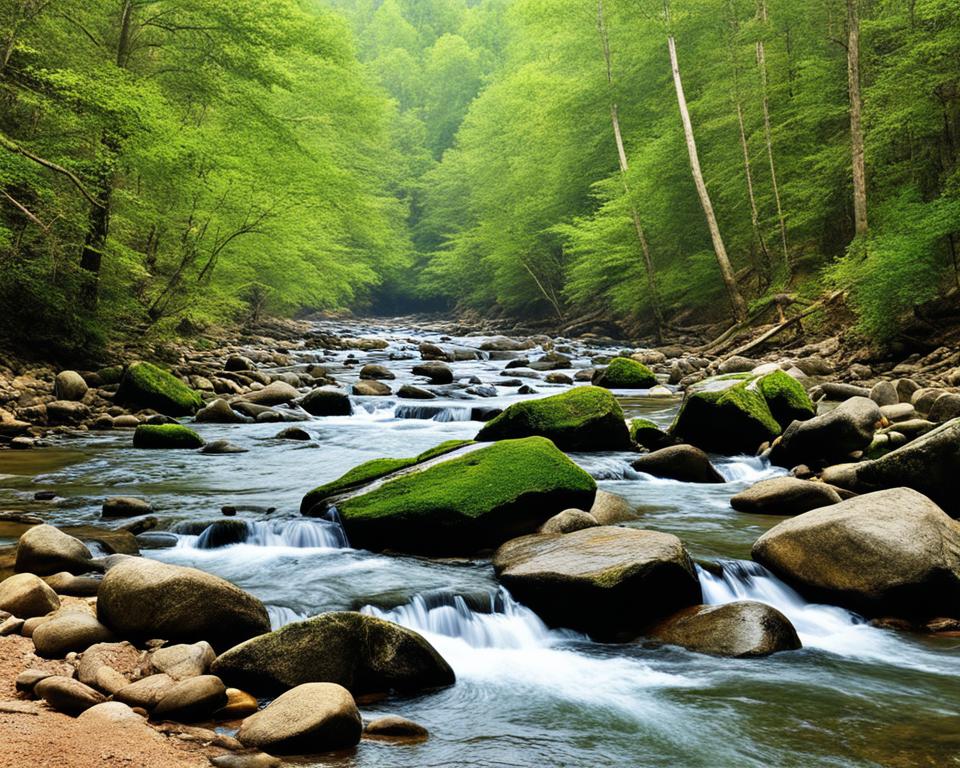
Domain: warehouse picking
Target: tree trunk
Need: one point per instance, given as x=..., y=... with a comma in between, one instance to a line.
x=622, y=162
x=856, y=112
x=762, y=67
x=737, y=303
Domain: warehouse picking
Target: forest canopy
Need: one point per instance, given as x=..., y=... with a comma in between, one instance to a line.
x=172, y=164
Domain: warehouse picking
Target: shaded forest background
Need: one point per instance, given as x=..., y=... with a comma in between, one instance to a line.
x=169, y=165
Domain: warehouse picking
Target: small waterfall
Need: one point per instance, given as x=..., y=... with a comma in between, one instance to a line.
x=507, y=625
x=746, y=469
x=441, y=413
x=280, y=616
x=306, y=533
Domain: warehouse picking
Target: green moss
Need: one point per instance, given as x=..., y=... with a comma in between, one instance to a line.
x=625, y=373
x=581, y=419
x=373, y=470
x=166, y=436
x=732, y=420
x=644, y=432
x=148, y=386
x=469, y=502
x=787, y=399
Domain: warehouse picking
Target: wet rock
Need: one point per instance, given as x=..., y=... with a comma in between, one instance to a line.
x=146, y=386
x=475, y=500
x=67, y=412
x=314, y=717
x=648, y=435
x=504, y=344
x=69, y=631
x=892, y=552
x=69, y=385
x=292, y=433
x=394, y=728
x=275, y=393
x=610, y=509
x=437, y=372
x=929, y=464
x=67, y=695
x=141, y=598
x=370, y=388
x=46, y=550
x=195, y=698
x=582, y=419
x=125, y=506
x=624, y=373
x=784, y=496
x=740, y=629
x=375, y=371
x=609, y=582
x=126, y=421
x=679, y=462
x=166, y=436
x=568, y=521
x=218, y=412
x=429, y=351
x=182, y=661
x=409, y=392
x=558, y=378
x=830, y=437
x=239, y=704
x=25, y=596
x=327, y=402
x=222, y=447
x=362, y=653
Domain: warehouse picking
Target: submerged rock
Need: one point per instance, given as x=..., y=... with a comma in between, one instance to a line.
x=468, y=502
x=784, y=496
x=395, y=728
x=741, y=629
x=362, y=653
x=313, y=717
x=889, y=553
x=582, y=419
x=610, y=582
x=146, y=386
x=142, y=598
x=679, y=462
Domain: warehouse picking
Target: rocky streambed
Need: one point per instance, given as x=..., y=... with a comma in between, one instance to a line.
x=622, y=637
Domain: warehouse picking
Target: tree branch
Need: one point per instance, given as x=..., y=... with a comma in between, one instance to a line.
x=12, y=146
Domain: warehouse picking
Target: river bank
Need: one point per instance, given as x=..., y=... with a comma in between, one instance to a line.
x=525, y=693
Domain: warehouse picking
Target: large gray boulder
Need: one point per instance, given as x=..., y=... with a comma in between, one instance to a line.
x=26, y=595
x=607, y=581
x=679, y=462
x=892, y=552
x=784, y=496
x=929, y=464
x=830, y=437
x=313, y=717
x=362, y=653
x=45, y=550
x=741, y=629
x=143, y=599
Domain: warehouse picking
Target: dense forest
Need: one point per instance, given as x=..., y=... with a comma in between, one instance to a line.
x=168, y=165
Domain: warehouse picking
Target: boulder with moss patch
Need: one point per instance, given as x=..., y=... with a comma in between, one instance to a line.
x=166, y=436
x=583, y=419
x=469, y=502
x=729, y=416
x=624, y=373
x=374, y=469
x=648, y=435
x=146, y=386
x=787, y=399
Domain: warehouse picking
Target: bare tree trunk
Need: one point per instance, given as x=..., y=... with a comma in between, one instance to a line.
x=762, y=67
x=856, y=112
x=737, y=303
x=622, y=161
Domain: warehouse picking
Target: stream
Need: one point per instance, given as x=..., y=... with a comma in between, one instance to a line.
x=526, y=695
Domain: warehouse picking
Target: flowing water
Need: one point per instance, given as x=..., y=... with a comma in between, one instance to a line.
x=526, y=695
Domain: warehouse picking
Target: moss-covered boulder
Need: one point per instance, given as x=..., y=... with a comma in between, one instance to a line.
x=166, y=436
x=362, y=653
x=146, y=386
x=469, y=502
x=787, y=399
x=374, y=470
x=648, y=435
x=582, y=419
x=733, y=418
x=624, y=373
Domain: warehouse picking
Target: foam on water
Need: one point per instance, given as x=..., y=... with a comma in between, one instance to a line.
x=313, y=533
